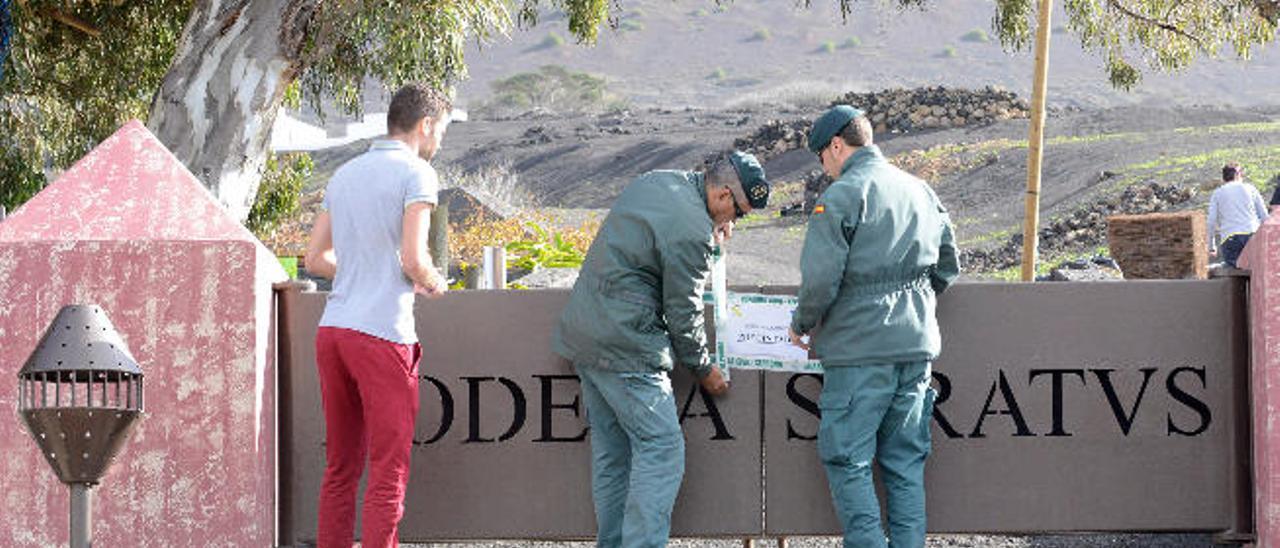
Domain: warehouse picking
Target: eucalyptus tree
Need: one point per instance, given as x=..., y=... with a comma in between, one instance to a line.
x=210, y=76
x=1167, y=35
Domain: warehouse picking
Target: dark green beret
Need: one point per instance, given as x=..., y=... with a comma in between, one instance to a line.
x=751, y=175
x=829, y=124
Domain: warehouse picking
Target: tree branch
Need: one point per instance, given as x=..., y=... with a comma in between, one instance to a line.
x=1163, y=25
x=1268, y=9
x=71, y=21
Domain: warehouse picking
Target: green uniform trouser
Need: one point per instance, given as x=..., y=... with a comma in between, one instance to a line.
x=637, y=455
x=879, y=412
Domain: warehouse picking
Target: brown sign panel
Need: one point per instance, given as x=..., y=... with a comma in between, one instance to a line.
x=1061, y=407
x=502, y=448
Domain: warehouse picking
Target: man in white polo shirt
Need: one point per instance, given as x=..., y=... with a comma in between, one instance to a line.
x=1235, y=211
x=371, y=239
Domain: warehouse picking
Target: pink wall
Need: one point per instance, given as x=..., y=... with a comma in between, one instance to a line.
x=1262, y=257
x=189, y=289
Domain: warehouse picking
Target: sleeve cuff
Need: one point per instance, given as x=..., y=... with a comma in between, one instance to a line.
x=419, y=199
x=795, y=326
x=699, y=369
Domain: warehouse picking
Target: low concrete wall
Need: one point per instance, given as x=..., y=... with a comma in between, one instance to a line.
x=1063, y=407
x=501, y=448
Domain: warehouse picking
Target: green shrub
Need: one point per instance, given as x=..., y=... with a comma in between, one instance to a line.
x=851, y=42
x=976, y=35
x=630, y=25
x=718, y=74
x=19, y=181
x=827, y=47
x=282, y=180
x=949, y=52
x=553, y=88
x=528, y=240
x=546, y=249
x=290, y=265
x=552, y=41
x=761, y=34
x=617, y=105
x=700, y=12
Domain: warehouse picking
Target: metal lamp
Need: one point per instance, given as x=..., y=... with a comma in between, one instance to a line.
x=80, y=394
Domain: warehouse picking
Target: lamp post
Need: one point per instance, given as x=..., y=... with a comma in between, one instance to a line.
x=80, y=394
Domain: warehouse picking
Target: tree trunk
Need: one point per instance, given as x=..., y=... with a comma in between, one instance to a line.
x=219, y=100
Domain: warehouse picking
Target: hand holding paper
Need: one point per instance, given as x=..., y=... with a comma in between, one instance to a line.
x=798, y=339
x=714, y=382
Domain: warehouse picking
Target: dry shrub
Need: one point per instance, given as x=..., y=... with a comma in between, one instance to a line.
x=467, y=242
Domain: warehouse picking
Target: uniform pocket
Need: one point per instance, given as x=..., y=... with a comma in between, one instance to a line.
x=835, y=403
x=926, y=419
x=650, y=409
x=833, y=398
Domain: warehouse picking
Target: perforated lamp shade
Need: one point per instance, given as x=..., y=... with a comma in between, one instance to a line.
x=80, y=394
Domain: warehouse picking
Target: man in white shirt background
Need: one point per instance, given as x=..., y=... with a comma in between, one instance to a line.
x=1235, y=211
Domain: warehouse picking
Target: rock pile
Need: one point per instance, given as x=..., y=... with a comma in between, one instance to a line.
x=1097, y=269
x=1086, y=227
x=548, y=278
x=467, y=204
x=894, y=110
x=775, y=137
x=906, y=110
x=897, y=111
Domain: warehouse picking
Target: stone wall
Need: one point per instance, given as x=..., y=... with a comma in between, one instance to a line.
x=905, y=110
x=896, y=111
x=1159, y=245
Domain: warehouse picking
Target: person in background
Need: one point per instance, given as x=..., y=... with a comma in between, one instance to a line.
x=635, y=311
x=1235, y=211
x=371, y=240
x=878, y=250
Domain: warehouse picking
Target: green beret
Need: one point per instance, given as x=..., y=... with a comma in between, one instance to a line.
x=751, y=175
x=829, y=124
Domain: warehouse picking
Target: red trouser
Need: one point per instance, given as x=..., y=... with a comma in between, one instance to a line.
x=370, y=392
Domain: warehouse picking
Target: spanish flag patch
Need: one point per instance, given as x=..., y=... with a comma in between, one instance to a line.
x=818, y=209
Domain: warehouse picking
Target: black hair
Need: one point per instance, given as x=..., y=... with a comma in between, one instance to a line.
x=1231, y=172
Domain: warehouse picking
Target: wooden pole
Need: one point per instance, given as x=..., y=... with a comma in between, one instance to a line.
x=1035, y=146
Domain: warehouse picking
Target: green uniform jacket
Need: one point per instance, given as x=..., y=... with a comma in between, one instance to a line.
x=879, y=247
x=637, y=304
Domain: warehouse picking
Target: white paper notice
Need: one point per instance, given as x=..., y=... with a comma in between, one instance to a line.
x=753, y=334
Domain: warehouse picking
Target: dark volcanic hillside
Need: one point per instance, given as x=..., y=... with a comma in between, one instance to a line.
x=687, y=78
x=1091, y=157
